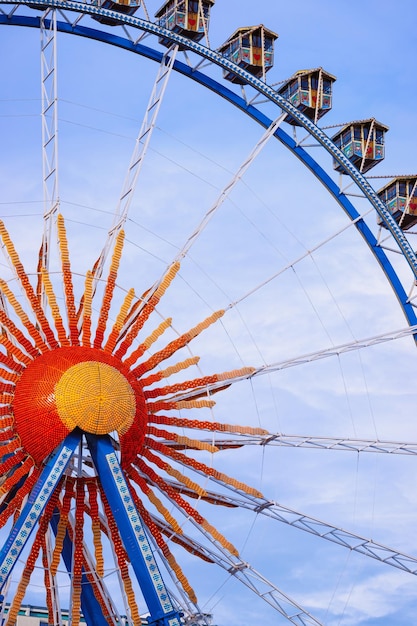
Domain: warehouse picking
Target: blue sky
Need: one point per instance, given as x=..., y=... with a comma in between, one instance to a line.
x=277, y=213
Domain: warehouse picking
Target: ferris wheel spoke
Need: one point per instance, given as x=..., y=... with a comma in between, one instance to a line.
x=230, y=185
x=319, y=528
x=138, y=156
x=215, y=552
x=270, y=131
x=230, y=378
x=48, y=31
x=357, y=344
x=245, y=573
x=291, y=264
x=318, y=443
x=49, y=116
x=271, y=594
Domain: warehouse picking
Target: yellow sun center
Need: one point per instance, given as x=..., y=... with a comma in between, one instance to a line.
x=96, y=397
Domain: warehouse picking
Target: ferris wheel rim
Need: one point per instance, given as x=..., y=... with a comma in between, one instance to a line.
x=251, y=111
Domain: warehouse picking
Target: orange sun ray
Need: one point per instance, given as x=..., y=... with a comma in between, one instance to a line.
x=11, y=363
x=78, y=556
x=140, y=350
x=67, y=278
x=6, y=375
x=168, y=371
x=176, y=345
x=10, y=447
x=96, y=527
x=53, y=305
x=87, y=309
x=16, y=500
x=109, y=289
x=30, y=293
x=8, y=421
x=120, y=320
x=64, y=509
x=18, y=335
x=138, y=320
x=197, y=383
x=68, y=369
x=11, y=462
x=145, y=488
x=191, y=444
x=202, y=468
x=185, y=506
x=191, y=403
x=182, y=422
x=48, y=588
x=31, y=328
x=11, y=348
x=7, y=435
x=171, y=471
x=11, y=481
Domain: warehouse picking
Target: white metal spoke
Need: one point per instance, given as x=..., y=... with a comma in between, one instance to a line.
x=218, y=202
x=230, y=186
x=318, y=443
x=137, y=159
x=314, y=526
x=358, y=344
x=245, y=573
x=48, y=29
x=292, y=263
x=214, y=551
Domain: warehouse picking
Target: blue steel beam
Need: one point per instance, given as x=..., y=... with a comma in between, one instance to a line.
x=132, y=532
x=90, y=606
x=35, y=506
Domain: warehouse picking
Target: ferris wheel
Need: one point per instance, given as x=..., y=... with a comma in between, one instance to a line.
x=193, y=296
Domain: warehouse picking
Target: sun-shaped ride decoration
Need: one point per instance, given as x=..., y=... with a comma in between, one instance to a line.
x=60, y=374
